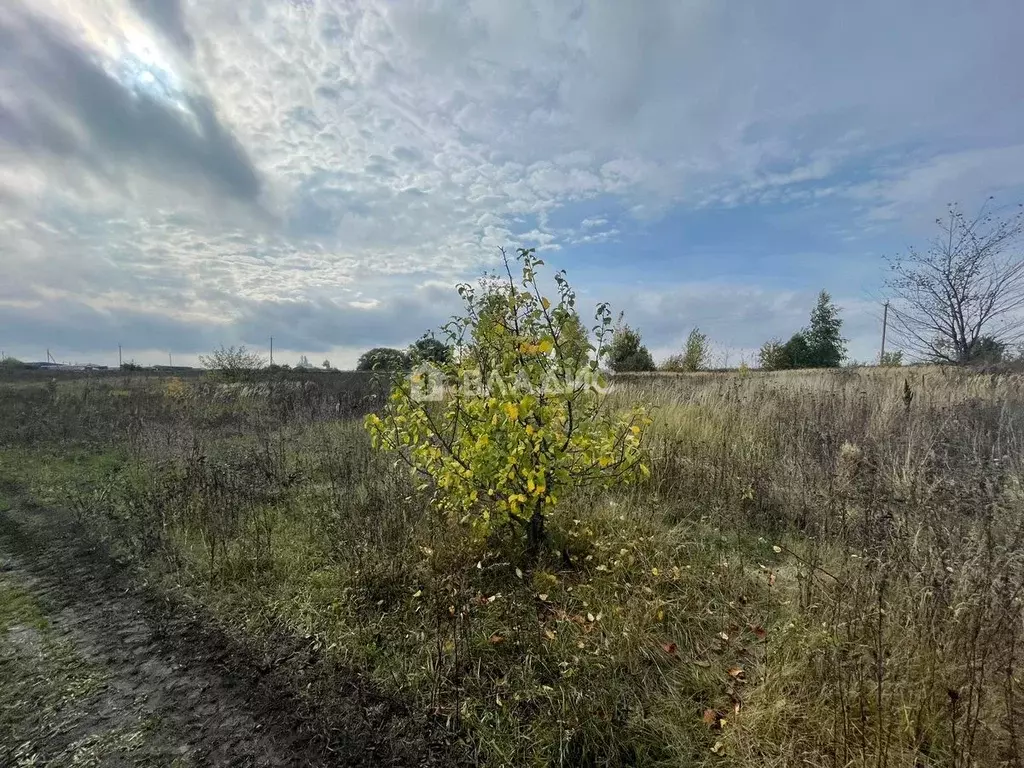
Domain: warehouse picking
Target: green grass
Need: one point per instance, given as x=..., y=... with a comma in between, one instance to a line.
x=18, y=607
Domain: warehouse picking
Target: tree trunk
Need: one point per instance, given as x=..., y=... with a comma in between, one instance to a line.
x=535, y=533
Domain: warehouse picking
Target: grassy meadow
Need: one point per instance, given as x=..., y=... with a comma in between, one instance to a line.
x=825, y=568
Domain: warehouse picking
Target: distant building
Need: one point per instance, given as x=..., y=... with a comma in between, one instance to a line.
x=62, y=367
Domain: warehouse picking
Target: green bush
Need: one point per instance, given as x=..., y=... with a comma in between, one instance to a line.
x=384, y=359
x=626, y=354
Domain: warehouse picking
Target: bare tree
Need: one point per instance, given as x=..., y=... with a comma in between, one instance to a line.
x=963, y=294
x=233, y=362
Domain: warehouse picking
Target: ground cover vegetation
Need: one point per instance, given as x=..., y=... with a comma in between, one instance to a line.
x=815, y=567
x=822, y=568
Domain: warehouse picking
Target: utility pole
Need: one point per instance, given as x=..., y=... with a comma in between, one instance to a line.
x=120, y=362
x=271, y=350
x=885, y=324
x=170, y=362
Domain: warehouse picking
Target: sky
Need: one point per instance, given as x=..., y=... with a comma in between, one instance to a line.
x=180, y=174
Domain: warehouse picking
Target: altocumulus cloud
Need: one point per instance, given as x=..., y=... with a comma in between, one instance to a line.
x=180, y=173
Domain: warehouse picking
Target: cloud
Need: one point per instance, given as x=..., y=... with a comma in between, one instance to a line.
x=920, y=191
x=169, y=17
x=60, y=102
x=241, y=168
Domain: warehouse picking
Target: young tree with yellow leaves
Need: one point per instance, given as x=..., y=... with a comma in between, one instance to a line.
x=523, y=418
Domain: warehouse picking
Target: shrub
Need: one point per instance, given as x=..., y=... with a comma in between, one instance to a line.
x=429, y=350
x=987, y=351
x=798, y=352
x=233, y=362
x=384, y=359
x=892, y=359
x=694, y=357
x=773, y=356
x=673, y=364
x=522, y=421
x=626, y=354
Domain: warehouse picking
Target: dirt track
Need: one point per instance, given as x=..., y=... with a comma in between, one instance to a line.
x=96, y=670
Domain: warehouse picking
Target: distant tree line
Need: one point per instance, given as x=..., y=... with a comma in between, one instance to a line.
x=425, y=350
x=961, y=300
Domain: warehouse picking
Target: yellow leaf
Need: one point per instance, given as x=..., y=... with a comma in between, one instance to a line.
x=545, y=303
x=545, y=346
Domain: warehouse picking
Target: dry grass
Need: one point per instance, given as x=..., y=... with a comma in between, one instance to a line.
x=825, y=568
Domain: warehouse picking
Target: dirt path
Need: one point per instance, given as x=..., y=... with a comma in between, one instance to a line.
x=96, y=671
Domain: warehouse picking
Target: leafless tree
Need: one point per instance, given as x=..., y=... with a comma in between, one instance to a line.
x=964, y=295
x=232, y=362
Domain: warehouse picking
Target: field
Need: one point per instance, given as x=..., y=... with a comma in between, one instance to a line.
x=825, y=568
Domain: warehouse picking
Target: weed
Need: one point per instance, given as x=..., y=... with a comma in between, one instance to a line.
x=820, y=570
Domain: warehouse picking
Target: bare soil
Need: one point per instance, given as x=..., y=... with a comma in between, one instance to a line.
x=99, y=669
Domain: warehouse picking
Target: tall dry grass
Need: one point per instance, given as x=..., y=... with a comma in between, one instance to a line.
x=896, y=495
x=825, y=568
